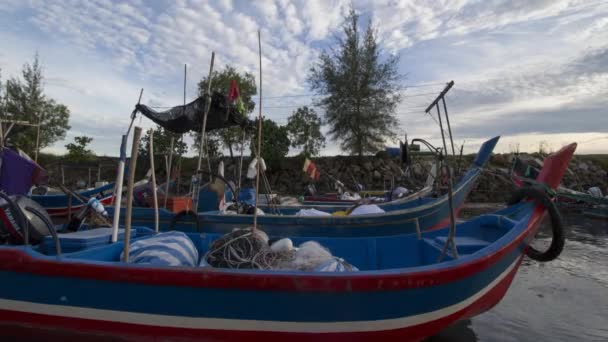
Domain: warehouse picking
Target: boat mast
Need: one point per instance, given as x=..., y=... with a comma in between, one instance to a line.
x=446, y=165
x=203, y=128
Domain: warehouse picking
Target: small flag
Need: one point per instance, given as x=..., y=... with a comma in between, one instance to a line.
x=233, y=93
x=311, y=170
x=234, y=96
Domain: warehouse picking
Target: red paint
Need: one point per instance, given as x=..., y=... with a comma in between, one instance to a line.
x=446, y=221
x=18, y=261
x=68, y=329
x=64, y=211
x=555, y=165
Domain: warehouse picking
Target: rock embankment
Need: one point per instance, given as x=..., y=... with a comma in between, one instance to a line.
x=374, y=173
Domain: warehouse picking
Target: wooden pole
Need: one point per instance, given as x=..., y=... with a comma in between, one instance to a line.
x=259, y=151
x=179, y=173
x=38, y=138
x=168, y=169
x=69, y=206
x=447, y=120
x=62, y=175
x=202, y=141
x=154, y=195
x=1, y=134
x=89, y=185
x=452, y=232
x=118, y=187
x=120, y=175
x=132, y=165
x=99, y=172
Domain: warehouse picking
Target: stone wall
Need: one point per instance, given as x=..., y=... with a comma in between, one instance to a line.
x=286, y=177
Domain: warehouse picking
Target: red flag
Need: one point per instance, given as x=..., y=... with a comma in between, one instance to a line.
x=233, y=93
x=311, y=170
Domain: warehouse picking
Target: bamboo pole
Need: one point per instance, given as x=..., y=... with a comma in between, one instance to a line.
x=120, y=174
x=168, y=169
x=132, y=165
x=154, y=194
x=202, y=141
x=181, y=137
x=118, y=187
x=38, y=138
x=259, y=151
x=1, y=134
x=69, y=206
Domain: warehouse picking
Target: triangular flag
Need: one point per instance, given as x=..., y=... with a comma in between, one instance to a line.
x=233, y=93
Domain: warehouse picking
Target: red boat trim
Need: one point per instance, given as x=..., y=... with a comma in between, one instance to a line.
x=63, y=211
x=16, y=321
x=17, y=260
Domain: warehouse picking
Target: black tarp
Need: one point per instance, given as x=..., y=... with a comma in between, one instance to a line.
x=182, y=119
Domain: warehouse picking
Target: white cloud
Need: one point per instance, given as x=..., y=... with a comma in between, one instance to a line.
x=507, y=57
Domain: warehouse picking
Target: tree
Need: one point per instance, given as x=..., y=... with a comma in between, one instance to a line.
x=231, y=137
x=77, y=152
x=361, y=92
x=304, y=128
x=162, y=143
x=213, y=143
x=25, y=100
x=275, y=142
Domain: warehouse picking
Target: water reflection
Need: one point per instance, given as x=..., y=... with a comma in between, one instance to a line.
x=563, y=300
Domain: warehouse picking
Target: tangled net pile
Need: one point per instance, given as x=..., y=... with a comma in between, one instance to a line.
x=245, y=248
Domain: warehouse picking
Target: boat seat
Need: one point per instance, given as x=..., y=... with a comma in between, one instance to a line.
x=85, y=239
x=464, y=244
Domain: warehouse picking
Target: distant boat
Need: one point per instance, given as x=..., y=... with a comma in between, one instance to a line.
x=403, y=290
x=404, y=215
x=58, y=204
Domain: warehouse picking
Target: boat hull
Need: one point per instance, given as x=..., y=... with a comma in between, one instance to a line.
x=58, y=205
x=207, y=307
x=405, y=218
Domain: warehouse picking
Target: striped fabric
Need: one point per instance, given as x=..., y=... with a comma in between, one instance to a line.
x=165, y=249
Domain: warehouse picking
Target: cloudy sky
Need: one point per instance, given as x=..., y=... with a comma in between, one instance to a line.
x=531, y=71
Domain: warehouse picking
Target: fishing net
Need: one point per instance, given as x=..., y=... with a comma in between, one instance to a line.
x=249, y=249
x=182, y=119
x=244, y=248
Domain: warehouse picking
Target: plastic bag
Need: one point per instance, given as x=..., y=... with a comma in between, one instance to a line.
x=310, y=255
x=367, y=209
x=336, y=265
x=312, y=212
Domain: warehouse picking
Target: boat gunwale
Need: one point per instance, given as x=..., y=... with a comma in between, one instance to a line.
x=25, y=260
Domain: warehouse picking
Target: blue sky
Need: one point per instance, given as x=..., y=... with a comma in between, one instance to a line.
x=531, y=71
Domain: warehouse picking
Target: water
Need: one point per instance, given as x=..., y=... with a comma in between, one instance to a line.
x=562, y=300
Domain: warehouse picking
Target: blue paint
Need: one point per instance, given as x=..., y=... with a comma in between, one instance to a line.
x=377, y=256
x=61, y=201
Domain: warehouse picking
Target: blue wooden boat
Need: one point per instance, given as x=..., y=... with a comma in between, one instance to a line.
x=58, y=204
x=597, y=212
x=403, y=216
x=401, y=292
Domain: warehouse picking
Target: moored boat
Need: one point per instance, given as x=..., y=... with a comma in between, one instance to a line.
x=59, y=204
x=402, y=216
x=404, y=289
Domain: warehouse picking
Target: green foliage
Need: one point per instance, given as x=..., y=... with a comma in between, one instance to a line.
x=213, y=144
x=25, y=100
x=231, y=137
x=77, y=151
x=361, y=91
x=304, y=128
x=275, y=142
x=162, y=143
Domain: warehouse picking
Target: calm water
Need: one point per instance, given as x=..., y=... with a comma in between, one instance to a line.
x=562, y=300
